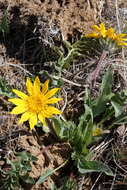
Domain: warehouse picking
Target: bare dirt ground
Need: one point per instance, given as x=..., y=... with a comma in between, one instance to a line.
x=22, y=54
x=70, y=16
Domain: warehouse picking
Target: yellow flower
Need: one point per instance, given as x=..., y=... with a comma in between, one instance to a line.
x=97, y=132
x=37, y=104
x=99, y=31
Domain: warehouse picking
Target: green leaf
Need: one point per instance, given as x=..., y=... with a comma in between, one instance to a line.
x=4, y=25
x=84, y=132
x=26, y=156
x=120, y=120
x=12, y=164
x=99, y=106
x=93, y=166
x=53, y=187
x=117, y=107
x=64, y=129
x=28, y=179
x=5, y=89
x=88, y=133
x=118, y=101
x=88, y=112
x=85, y=126
x=43, y=177
x=67, y=44
x=48, y=173
x=106, y=85
x=57, y=124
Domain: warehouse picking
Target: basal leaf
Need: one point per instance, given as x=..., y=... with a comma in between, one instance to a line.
x=48, y=173
x=99, y=105
x=57, y=125
x=117, y=107
x=107, y=83
x=93, y=166
x=88, y=133
x=45, y=176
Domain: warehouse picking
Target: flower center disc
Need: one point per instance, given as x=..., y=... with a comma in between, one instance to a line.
x=36, y=104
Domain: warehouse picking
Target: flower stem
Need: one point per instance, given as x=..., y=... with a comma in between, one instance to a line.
x=96, y=72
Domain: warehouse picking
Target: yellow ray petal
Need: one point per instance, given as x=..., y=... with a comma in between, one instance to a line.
x=42, y=119
x=33, y=120
x=52, y=110
x=111, y=33
x=124, y=39
x=95, y=27
x=111, y=30
x=25, y=116
x=121, y=43
x=19, y=109
x=102, y=27
x=53, y=100
x=92, y=35
x=20, y=94
x=29, y=86
x=50, y=93
x=121, y=35
x=101, y=30
x=17, y=101
x=37, y=85
x=46, y=113
x=45, y=87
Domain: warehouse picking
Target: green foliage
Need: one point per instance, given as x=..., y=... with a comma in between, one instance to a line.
x=4, y=25
x=5, y=89
x=104, y=112
x=79, y=50
x=72, y=53
x=18, y=172
x=85, y=166
x=98, y=105
x=108, y=106
x=48, y=173
x=79, y=138
x=68, y=184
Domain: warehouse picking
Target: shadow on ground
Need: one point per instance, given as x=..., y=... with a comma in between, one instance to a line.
x=25, y=41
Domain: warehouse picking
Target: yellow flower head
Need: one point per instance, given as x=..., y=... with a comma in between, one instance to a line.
x=100, y=31
x=97, y=132
x=37, y=104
